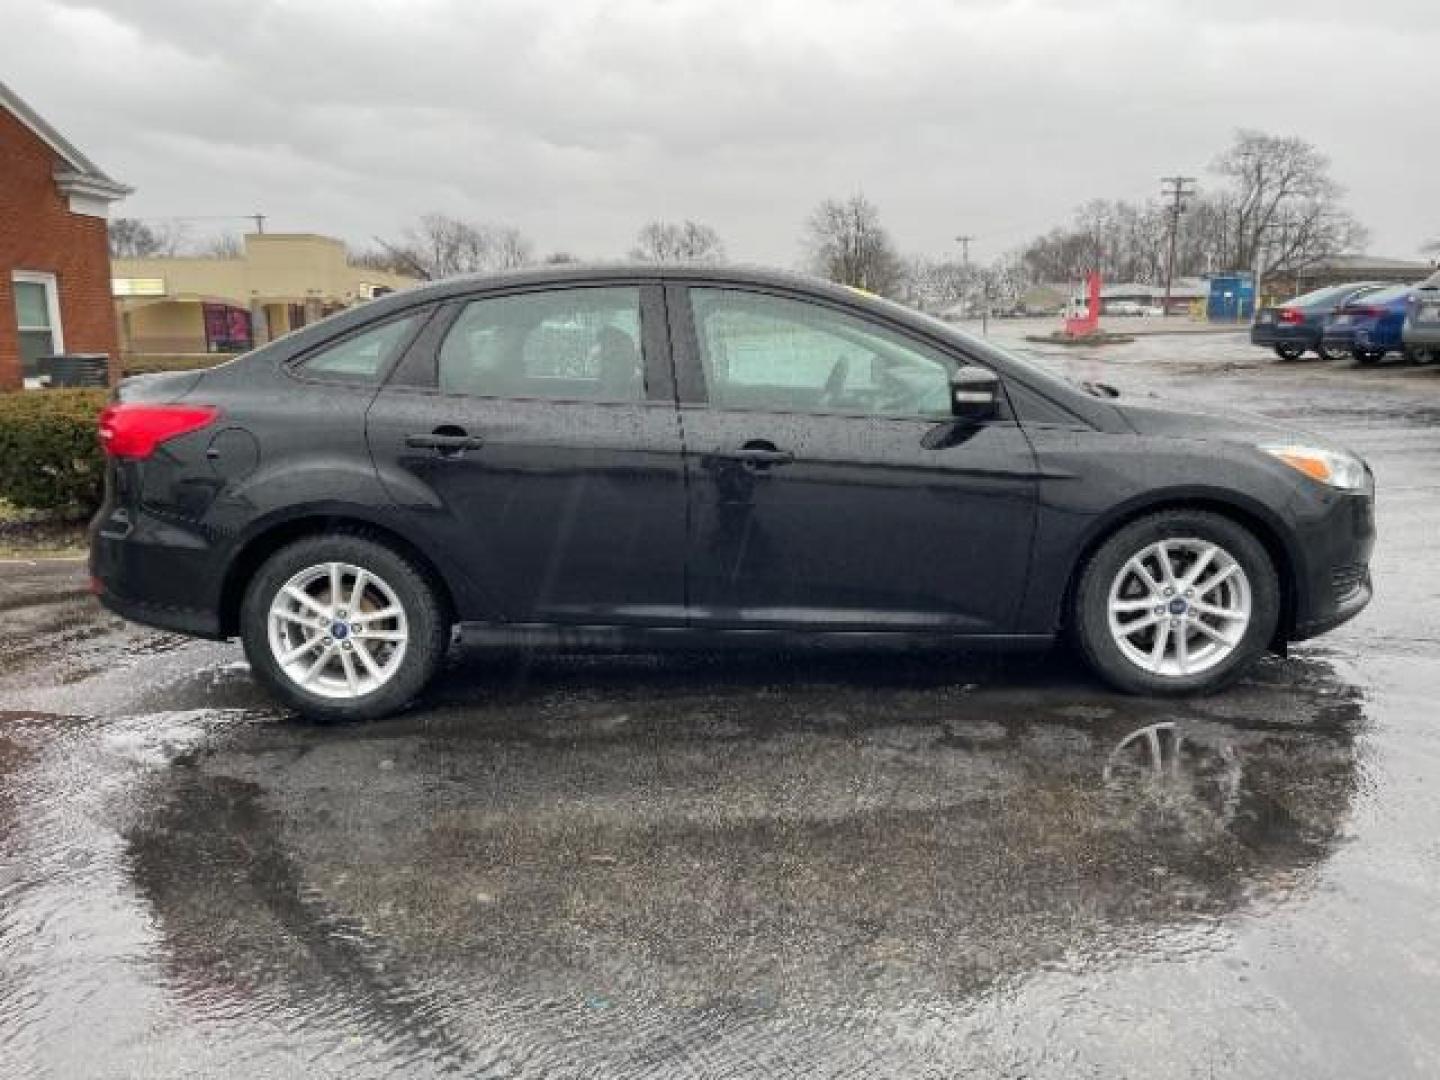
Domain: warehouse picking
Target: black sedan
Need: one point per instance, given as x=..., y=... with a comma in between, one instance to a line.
x=633, y=459
x=1297, y=326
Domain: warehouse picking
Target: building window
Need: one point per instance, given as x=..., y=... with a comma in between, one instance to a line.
x=37, y=315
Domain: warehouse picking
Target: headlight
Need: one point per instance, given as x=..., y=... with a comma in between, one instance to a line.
x=1333, y=467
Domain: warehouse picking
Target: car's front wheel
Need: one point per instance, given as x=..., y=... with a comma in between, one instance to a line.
x=342, y=627
x=1180, y=602
x=1289, y=352
x=1332, y=353
x=1369, y=356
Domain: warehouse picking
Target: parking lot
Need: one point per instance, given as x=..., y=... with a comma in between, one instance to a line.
x=773, y=865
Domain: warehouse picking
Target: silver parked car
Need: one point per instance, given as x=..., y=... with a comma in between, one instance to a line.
x=1421, y=333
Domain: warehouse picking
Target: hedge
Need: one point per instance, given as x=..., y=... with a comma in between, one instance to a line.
x=150, y=365
x=50, y=457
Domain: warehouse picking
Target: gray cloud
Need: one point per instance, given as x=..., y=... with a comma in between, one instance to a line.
x=579, y=120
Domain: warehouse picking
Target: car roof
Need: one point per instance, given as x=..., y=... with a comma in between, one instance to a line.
x=582, y=274
x=590, y=273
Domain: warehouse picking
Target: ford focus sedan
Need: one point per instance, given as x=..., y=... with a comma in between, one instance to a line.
x=633, y=459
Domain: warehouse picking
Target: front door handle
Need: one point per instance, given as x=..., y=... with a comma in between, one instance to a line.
x=758, y=457
x=450, y=442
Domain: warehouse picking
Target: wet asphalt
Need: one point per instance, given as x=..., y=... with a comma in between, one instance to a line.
x=745, y=866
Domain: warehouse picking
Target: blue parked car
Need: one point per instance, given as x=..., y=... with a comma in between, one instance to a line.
x=1369, y=325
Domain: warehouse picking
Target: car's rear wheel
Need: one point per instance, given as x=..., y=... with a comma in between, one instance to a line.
x=342, y=627
x=1289, y=352
x=1332, y=353
x=1180, y=602
x=1418, y=356
x=1368, y=356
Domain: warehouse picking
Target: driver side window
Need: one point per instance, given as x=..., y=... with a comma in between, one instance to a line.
x=770, y=354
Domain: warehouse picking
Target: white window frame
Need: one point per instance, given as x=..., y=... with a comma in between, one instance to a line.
x=52, y=304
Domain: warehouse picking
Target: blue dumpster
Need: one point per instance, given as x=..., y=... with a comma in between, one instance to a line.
x=1232, y=298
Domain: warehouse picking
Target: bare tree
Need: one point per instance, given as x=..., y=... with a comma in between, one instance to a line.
x=670, y=242
x=936, y=285
x=132, y=238
x=221, y=246
x=1287, y=208
x=847, y=244
x=439, y=246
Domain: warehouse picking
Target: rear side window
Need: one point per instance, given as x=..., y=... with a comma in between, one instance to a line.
x=362, y=357
x=565, y=344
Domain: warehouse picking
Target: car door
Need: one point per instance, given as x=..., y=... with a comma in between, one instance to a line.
x=829, y=486
x=532, y=436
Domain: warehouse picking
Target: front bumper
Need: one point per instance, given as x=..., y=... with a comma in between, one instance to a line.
x=1424, y=337
x=1333, y=582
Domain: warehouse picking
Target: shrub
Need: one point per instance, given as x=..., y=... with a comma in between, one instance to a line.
x=150, y=365
x=50, y=457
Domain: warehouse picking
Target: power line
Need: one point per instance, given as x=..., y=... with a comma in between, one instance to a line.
x=1177, y=189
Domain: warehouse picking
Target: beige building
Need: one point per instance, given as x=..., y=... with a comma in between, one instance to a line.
x=179, y=306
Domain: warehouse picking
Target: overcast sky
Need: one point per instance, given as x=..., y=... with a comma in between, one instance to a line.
x=578, y=120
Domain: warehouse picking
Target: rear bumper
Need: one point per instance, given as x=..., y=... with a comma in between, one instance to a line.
x=1272, y=334
x=1375, y=340
x=191, y=621
x=174, y=568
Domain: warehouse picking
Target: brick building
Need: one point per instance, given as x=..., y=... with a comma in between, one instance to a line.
x=54, y=253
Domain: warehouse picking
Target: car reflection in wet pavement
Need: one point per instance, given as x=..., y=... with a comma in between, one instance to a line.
x=799, y=866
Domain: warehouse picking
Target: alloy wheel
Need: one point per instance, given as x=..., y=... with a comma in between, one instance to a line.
x=1179, y=607
x=337, y=630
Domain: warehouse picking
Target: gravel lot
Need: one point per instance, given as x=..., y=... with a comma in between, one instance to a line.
x=746, y=866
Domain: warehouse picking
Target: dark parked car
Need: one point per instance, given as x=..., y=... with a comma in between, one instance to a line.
x=1296, y=326
x=1368, y=324
x=1421, y=332
x=632, y=459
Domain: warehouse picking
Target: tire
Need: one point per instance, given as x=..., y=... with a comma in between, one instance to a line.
x=1208, y=665
x=1331, y=353
x=403, y=649
x=1368, y=356
x=1417, y=356
x=1289, y=352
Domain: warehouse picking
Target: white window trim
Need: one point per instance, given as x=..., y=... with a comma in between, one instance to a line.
x=52, y=303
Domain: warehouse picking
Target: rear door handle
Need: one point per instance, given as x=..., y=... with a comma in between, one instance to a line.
x=445, y=442
x=758, y=457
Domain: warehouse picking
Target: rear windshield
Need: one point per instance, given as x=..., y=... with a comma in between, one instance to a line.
x=1329, y=294
x=1384, y=296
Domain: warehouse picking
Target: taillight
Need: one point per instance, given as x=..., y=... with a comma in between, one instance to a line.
x=1291, y=316
x=134, y=431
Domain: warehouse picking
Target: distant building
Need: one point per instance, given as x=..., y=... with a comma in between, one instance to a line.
x=1342, y=269
x=1184, y=294
x=184, y=306
x=54, y=251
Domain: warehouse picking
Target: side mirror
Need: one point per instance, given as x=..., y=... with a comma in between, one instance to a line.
x=974, y=394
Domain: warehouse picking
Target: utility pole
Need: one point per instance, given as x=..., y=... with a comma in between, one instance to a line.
x=1177, y=189
x=964, y=242
x=259, y=223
